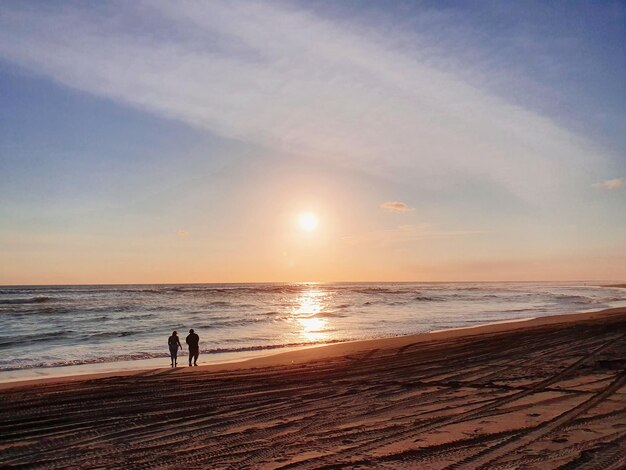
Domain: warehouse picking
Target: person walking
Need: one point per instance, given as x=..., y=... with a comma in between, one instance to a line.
x=193, y=340
x=174, y=344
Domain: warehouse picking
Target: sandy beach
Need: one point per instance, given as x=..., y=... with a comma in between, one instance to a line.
x=543, y=393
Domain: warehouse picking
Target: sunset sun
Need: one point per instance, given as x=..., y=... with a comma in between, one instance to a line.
x=308, y=221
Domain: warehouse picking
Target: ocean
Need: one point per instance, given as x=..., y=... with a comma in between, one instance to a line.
x=48, y=328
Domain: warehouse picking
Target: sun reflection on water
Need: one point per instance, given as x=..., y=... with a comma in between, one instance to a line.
x=309, y=304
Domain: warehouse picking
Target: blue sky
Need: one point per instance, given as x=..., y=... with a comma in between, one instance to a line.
x=176, y=142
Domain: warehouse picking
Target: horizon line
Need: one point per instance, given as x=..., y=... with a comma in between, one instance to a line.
x=309, y=282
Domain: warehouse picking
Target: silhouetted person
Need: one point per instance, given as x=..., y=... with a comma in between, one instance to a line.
x=174, y=343
x=193, y=340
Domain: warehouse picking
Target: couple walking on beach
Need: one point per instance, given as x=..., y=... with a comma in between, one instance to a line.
x=193, y=340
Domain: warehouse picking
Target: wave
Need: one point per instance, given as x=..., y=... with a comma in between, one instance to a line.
x=30, y=300
x=325, y=315
x=45, y=308
x=110, y=334
x=225, y=323
x=574, y=299
x=31, y=339
x=27, y=311
x=106, y=308
x=44, y=311
x=381, y=290
x=153, y=355
x=220, y=303
x=25, y=340
x=137, y=316
x=236, y=289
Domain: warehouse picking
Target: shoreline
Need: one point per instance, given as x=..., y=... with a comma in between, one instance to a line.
x=66, y=349
x=542, y=393
x=318, y=352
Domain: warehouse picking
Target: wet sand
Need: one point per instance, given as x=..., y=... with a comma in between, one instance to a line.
x=546, y=393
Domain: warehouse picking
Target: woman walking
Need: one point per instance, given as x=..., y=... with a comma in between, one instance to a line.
x=174, y=343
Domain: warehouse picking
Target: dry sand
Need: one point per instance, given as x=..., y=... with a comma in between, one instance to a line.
x=547, y=393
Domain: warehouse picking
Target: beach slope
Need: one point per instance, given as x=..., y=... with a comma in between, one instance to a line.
x=547, y=393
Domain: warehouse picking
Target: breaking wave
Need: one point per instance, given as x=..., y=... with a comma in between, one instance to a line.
x=153, y=355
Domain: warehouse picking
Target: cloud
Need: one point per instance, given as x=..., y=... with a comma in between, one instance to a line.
x=281, y=77
x=611, y=184
x=396, y=206
x=182, y=234
x=404, y=234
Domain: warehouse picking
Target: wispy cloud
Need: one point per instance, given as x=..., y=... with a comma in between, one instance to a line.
x=396, y=206
x=182, y=234
x=284, y=78
x=404, y=234
x=611, y=184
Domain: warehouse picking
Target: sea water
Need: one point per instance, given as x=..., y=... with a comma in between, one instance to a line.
x=47, y=327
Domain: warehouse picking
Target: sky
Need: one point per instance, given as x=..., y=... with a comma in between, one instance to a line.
x=173, y=142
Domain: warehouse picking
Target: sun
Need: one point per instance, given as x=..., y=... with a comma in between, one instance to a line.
x=308, y=221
